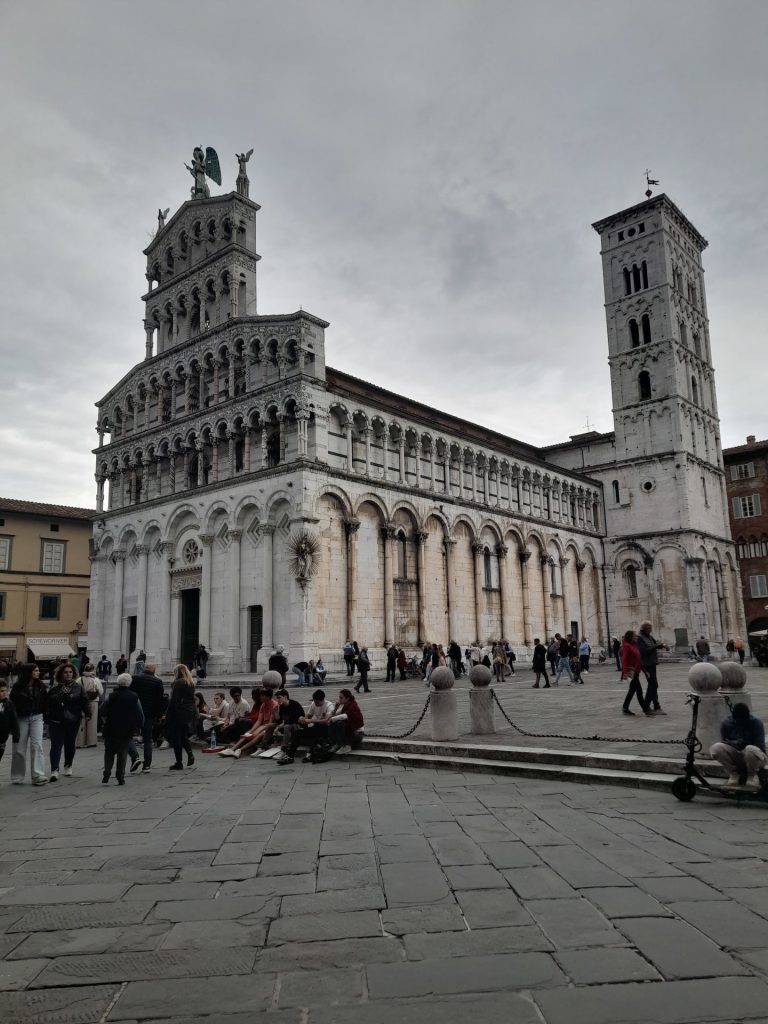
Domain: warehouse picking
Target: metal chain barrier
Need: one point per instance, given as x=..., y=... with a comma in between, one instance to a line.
x=565, y=736
x=402, y=735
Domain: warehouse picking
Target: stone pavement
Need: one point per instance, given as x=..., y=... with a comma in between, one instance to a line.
x=584, y=710
x=351, y=893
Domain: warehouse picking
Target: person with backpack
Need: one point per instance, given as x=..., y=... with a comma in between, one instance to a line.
x=104, y=668
x=364, y=664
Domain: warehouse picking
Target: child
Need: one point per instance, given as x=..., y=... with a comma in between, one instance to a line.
x=123, y=718
x=9, y=722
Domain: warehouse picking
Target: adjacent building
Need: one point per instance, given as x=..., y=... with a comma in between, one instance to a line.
x=746, y=468
x=249, y=495
x=44, y=579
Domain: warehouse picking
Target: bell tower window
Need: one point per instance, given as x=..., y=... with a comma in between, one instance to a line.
x=634, y=333
x=646, y=322
x=644, y=384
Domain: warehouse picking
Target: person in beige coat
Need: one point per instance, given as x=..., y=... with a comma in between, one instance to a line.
x=94, y=691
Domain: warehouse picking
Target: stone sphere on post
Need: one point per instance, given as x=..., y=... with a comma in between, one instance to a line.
x=734, y=676
x=273, y=679
x=480, y=675
x=705, y=678
x=442, y=678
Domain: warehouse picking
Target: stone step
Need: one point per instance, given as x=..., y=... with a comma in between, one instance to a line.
x=647, y=771
x=564, y=773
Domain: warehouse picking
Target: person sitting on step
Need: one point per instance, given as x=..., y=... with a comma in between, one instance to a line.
x=251, y=739
x=346, y=728
x=237, y=721
x=742, y=748
x=310, y=729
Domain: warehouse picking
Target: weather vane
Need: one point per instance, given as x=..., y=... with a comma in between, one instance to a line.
x=649, y=181
x=204, y=164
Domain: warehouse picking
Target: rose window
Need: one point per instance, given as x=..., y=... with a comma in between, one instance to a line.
x=190, y=552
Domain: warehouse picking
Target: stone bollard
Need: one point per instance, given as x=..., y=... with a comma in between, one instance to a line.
x=705, y=680
x=481, y=701
x=734, y=680
x=273, y=679
x=442, y=706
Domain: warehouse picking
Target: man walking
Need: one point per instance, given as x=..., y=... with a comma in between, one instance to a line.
x=391, y=664
x=149, y=690
x=563, y=659
x=104, y=668
x=649, y=649
x=349, y=657
x=122, y=718
x=702, y=649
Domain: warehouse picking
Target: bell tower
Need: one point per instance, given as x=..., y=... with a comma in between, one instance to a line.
x=662, y=380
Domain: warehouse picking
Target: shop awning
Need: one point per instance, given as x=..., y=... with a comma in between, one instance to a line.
x=50, y=646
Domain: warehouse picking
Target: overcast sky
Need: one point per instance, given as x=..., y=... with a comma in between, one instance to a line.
x=427, y=171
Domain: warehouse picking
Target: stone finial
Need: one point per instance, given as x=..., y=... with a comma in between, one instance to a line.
x=273, y=679
x=734, y=675
x=442, y=678
x=480, y=675
x=705, y=678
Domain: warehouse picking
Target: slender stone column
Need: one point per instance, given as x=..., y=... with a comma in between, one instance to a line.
x=473, y=478
x=302, y=421
x=166, y=564
x=97, y=639
x=204, y=629
x=145, y=481
x=234, y=584
x=117, y=604
x=350, y=459
x=546, y=586
x=215, y=460
x=388, y=533
x=247, y=450
x=200, y=465
x=507, y=628
x=147, y=400
x=231, y=380
x=580, y=567
x=282, y=441
x=148, y=343
x=567, y=612
x=715, y=599
x=100, y=432
x=478, y=548
x=401, y=453
x=232, y=438
x=351, y=526
x=267, y=531
x=367, y=435
x=215, y=382
x=453, y=604
x=172, y=472
x=201, y=391
x=432, y=467
x=602, y=639
x=417, y=452
x=263, y=447
x=486, y=494
x=385, y=454
x=99, y=493
x=421, y=541
x=527, y=634
x=141, y=604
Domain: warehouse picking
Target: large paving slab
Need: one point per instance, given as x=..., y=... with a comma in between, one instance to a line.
x=352, y=892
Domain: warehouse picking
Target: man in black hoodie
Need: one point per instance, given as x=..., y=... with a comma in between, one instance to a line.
x=9, y=723
x=149, y=689
x=122, y=719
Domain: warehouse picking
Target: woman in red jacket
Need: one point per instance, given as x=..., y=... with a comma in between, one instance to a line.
x=630, y=669
x=346, y=724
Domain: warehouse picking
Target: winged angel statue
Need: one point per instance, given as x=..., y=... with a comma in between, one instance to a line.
x=204, y=164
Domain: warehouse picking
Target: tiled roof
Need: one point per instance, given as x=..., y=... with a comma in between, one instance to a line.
x=39, y=508
x=744, y=449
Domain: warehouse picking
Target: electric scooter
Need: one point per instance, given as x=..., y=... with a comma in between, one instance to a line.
x=685, y=789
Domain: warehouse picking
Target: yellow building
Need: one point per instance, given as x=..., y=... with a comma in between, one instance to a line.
x=44, y=579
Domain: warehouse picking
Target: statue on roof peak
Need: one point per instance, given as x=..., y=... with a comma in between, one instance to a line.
x=204, y=164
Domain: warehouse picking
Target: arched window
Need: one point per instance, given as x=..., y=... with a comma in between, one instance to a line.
x=402, y=556
x=487, y=569
x=694, y=391
x=644, y=384
x=646, y=322
x=616, y=492
x=636, y=278
x=630, y=575
x=644, y=269
x=627, y=282
x=634, y=333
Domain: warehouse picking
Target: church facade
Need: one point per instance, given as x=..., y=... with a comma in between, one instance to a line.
x=249, y=495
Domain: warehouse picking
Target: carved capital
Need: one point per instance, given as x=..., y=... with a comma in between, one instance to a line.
x=119, y=556
x=206, y=539
x=142, y=549
x=580, y=566
x=351, y=525
x=524, y=556
x=235, y=535
x=388, y=531
x=421, y=536
x=478, y=547
x=166, y=548
x=267, y=529
x=564, y=562
x=502, y=550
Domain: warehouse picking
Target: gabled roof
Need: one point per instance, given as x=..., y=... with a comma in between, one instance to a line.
x=746, y=449
x=39, y=508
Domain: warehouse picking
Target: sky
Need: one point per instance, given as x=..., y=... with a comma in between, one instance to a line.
x=428, y=172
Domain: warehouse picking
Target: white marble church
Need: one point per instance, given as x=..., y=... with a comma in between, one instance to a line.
x=256, y=497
